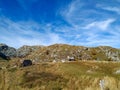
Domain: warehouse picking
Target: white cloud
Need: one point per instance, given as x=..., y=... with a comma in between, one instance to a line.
x=26, y=33
x=78, y=15
x=73, y=13
x=103, y=25
x=90, y=26
x=113, y=9
x=96, y=39
x=87, y=27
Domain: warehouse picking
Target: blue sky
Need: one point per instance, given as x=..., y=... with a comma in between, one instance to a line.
x=46, y=22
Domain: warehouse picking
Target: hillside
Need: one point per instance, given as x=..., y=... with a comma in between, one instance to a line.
x=90, y=70
x=82, y=75
x=62, y=52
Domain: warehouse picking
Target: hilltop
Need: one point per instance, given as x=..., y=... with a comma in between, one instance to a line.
x=60, y=52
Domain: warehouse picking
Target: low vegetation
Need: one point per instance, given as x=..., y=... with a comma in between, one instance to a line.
x=79, y=75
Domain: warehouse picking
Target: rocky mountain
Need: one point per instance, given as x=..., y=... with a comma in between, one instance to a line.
x=7, y=51
x=61, y=52
x=26, y=50
x=3, y=57
x=10, y=52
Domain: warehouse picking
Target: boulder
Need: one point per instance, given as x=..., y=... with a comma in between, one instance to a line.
x=26, y=63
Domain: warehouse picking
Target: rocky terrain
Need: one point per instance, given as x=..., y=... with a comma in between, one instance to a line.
x=10, y=52
x=26, y=50
x=61, y=52
x=84, y=74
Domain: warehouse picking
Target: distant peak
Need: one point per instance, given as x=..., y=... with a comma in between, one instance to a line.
x=2, y=44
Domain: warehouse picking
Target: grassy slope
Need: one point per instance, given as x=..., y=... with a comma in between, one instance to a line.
x=61, y=76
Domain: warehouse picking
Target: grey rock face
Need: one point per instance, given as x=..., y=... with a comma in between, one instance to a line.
x=3, y=57
x=7, y=51
x=117, y=72
x=113, y=54
x=26, y=50
x=21, y=52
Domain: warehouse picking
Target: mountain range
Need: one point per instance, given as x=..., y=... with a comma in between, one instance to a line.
x=60, y=52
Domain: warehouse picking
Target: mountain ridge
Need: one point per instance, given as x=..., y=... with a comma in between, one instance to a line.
x=60, y=52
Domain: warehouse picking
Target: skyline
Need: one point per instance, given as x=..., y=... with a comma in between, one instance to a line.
x=45, y=22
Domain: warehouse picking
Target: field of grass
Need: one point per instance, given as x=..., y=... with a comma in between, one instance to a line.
x=82, y=75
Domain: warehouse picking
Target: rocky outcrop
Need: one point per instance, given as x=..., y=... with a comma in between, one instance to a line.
x=61, y=52
x=21, y=52
x=7, y=51
x=26, y=50
x=4, y=57
x=113, y=54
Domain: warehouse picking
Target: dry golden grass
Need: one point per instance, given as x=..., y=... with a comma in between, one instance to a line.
x=60, y=76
